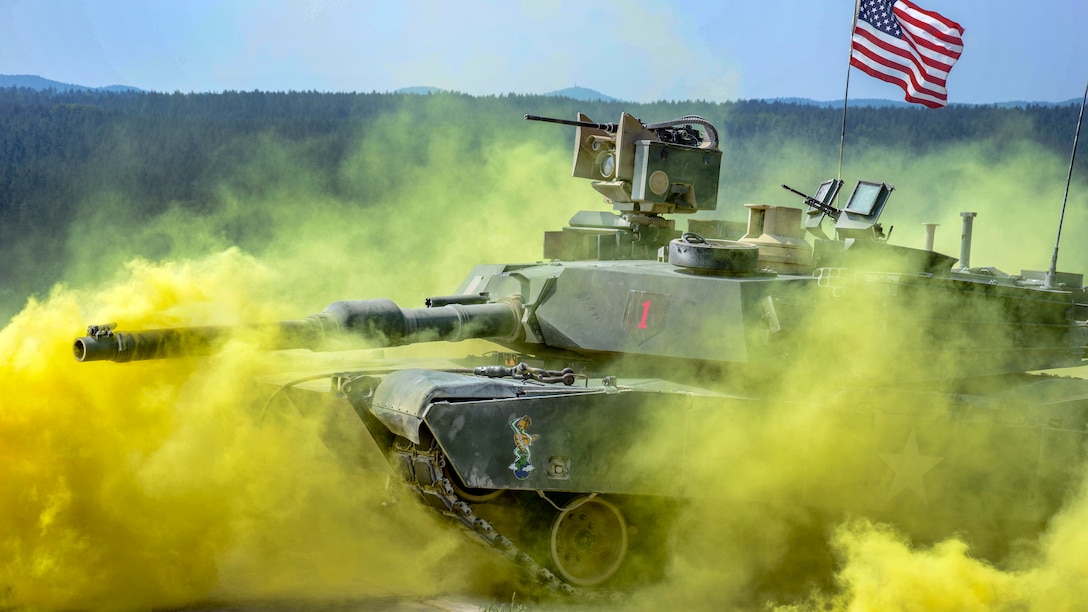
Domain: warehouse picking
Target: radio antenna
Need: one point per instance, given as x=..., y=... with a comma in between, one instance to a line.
x=1053, y=271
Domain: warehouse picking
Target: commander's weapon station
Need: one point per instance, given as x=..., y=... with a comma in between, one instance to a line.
x=644, y=171
x=858, y=220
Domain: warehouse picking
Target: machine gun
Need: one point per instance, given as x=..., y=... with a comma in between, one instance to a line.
x=827, y=195
x=678, y=131
x=607, y=127
x=858, y=219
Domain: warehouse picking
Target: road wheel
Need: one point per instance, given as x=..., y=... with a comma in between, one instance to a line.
x=588, y=541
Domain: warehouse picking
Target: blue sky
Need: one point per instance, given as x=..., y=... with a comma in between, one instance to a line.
x=639, y=50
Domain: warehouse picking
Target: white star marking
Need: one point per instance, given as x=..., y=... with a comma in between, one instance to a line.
x=909, y=468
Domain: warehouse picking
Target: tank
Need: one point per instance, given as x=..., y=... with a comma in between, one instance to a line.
x=633, y=347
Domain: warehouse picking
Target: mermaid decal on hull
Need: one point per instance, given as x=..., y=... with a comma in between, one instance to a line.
x=523, y=461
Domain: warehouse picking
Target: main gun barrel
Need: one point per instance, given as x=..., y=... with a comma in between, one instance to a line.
x=376, y=322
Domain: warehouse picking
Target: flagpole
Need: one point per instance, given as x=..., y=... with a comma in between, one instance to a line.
x=1053, y=271
x=846, y=94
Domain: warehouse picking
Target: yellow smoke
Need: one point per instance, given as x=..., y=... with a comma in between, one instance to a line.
x=154, y=484
x=162, y=483
x=799, y=504
x=882, y=571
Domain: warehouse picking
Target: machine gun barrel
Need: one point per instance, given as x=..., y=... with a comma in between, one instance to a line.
x=377, y=322
x=607, y=127
x=814, y=203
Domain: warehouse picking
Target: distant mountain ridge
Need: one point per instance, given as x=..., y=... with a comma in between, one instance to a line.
x=31, y=81
x=582, y=93
x=859, y=102
x=576, y=93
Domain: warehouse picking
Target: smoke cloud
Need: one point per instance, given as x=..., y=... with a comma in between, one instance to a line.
x=160, y=483
x=157, y=484
x=864, y=482
x=154, y=484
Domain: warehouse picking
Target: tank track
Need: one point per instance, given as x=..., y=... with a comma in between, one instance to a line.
x=423, y=472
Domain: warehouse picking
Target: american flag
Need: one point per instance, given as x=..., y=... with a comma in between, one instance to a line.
x=897, y=42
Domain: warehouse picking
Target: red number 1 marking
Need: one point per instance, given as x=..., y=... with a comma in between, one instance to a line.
x=645, y=313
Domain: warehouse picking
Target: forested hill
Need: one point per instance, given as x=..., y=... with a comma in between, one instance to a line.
x=69, y=158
